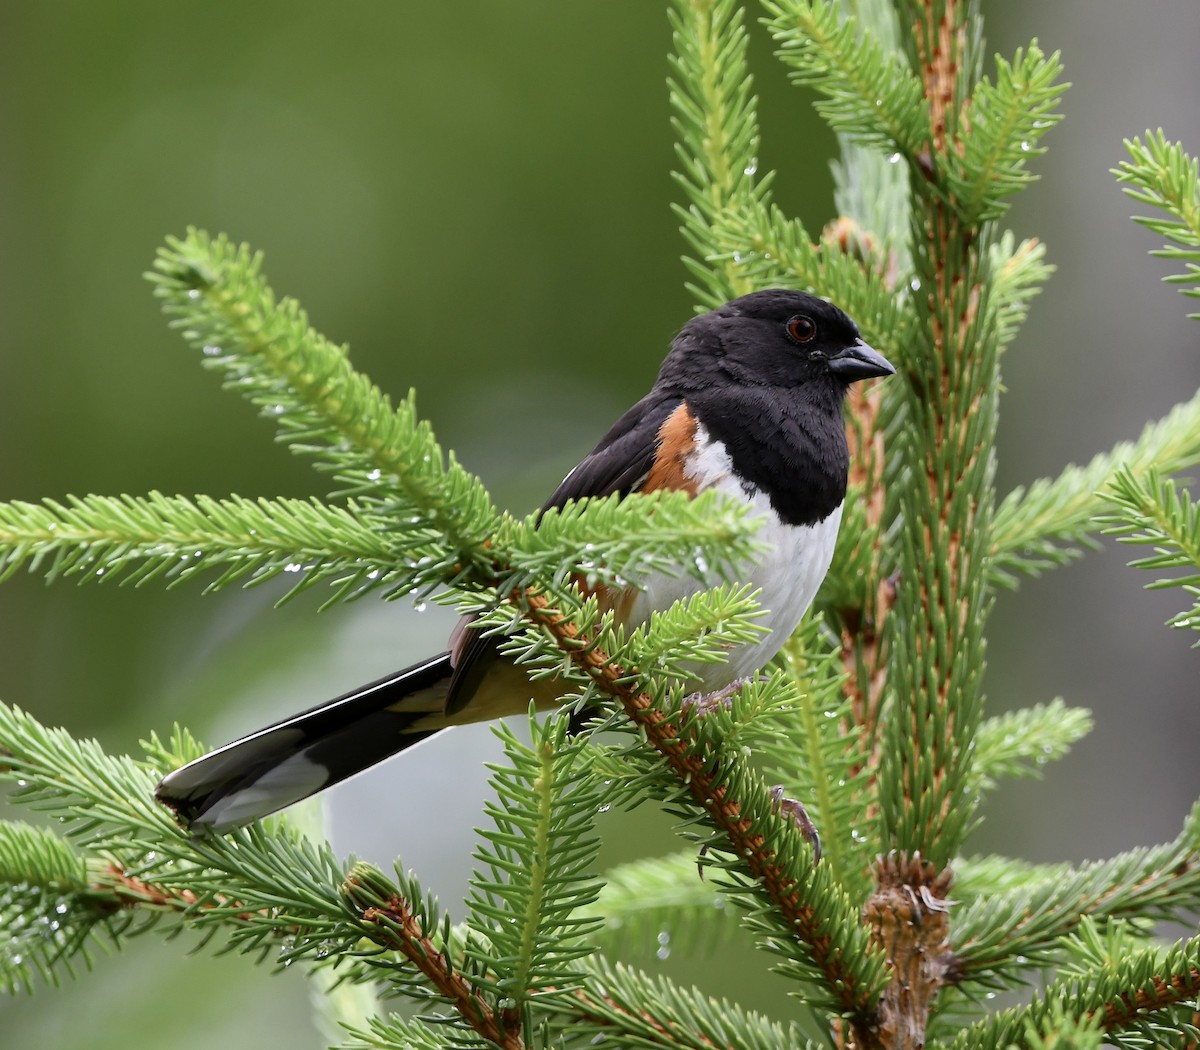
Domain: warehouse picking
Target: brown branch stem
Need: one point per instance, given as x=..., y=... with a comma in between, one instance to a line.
x=396, y=928
x=704, y=781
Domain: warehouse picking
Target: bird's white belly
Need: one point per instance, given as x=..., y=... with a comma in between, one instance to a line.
x=787, y=572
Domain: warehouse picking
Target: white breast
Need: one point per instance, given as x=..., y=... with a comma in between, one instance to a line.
x=787, y=573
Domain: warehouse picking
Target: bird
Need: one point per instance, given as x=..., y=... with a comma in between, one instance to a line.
x=748, y=401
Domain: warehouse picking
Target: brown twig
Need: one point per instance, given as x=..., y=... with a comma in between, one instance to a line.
x=1161, y=993
x=704, y=780
x=395, y=927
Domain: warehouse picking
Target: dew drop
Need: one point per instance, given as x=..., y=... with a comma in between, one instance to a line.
x=212, y=350
x=894, y=158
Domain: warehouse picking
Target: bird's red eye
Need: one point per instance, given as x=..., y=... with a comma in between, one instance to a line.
x=802, y=328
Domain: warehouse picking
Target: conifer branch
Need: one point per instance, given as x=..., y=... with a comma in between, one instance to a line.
x=382, y=455
x=1162, y=175
x=50, y=913
x=389, y=919
x=638, y=1010
x=537, y=859
x=716, y=128
x=950, y=389
x=1153, y=511
x=1117, y=995
x=807, y=907
x=869, y=94
x=1006, y=933
x=1044, y=525
x=135, y=540
x=1005, y=121
x=1019, y=743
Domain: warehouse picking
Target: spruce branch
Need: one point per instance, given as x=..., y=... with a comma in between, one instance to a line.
x=389, y=918
x=1018, y=744
x=135, y=540
x=1006, y=119
x=809, y=920
x=869, y=94
x=1045, y=524
x=947, y=453
x=50, y=914
x=716, y=128
x=1123, y=995
x=384, y=456
x=1003, y=936
x=636, y=1010
x=1153, y=511
x=263, y=884
x=1162, y=175
x=537, y=876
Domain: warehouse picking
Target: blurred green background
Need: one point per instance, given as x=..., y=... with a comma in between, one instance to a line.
x=476, y=198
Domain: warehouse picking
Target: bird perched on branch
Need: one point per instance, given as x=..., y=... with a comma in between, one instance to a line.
x=748, y=402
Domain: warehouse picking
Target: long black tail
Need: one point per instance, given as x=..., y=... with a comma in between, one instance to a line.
x=286, y=762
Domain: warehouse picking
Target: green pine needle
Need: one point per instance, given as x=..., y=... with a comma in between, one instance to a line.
x=1153, y=511
x=1162, y=175
x=136, y=540
x=384, y=456
x=537, y=876
x=1006, y=936
x=1018, y=744
x=1045, y=524
x=1007, y=119
x=869, y=94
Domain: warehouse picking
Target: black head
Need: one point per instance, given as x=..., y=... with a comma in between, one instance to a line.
x=774, y=338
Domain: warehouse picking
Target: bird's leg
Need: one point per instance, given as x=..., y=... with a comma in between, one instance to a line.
x=794, y=808
x=703, y=703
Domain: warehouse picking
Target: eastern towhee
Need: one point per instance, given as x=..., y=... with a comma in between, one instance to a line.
x=748, y=401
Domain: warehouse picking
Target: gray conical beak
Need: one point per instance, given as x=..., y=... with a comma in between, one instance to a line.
x=859, y=362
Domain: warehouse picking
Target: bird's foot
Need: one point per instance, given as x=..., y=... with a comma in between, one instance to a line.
x=794, y=809
x=705, y=703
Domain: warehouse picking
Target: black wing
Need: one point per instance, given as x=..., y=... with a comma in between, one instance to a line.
x=619, y=463
x=623, y=457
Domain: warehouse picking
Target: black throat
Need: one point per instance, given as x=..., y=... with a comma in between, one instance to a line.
x=790, y=444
